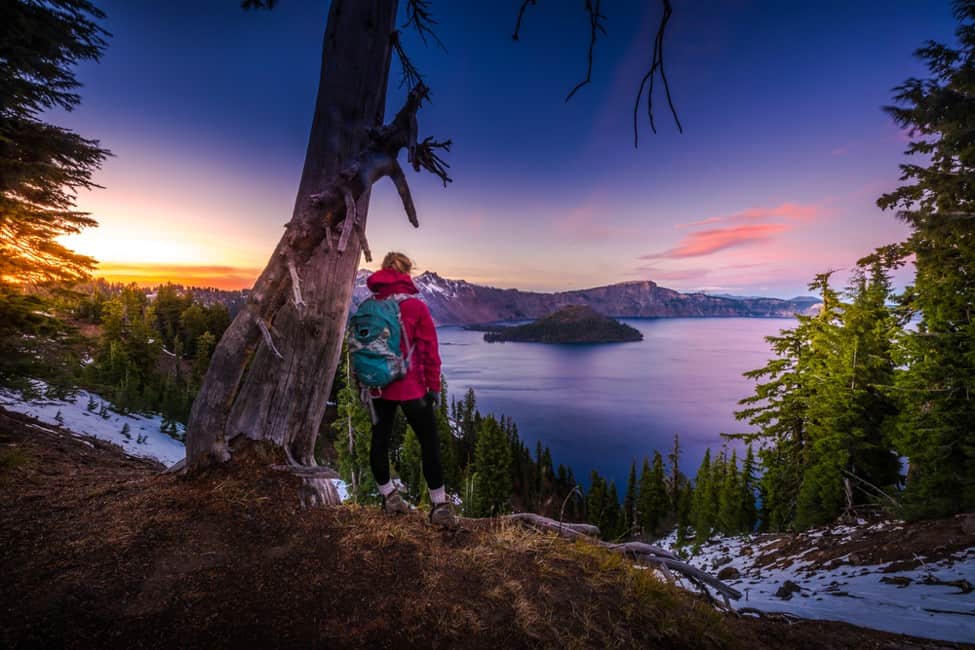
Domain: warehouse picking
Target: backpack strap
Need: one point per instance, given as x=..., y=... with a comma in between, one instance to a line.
x=399, y=298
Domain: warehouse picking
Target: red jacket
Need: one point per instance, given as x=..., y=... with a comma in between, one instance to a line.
x=424, y=372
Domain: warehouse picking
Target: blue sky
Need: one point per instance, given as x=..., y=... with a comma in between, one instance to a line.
x=784, y=152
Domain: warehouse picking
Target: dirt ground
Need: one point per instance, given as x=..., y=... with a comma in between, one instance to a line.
x=900, y=546
x=101, y=550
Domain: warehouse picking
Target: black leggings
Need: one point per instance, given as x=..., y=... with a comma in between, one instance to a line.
x=419, y=414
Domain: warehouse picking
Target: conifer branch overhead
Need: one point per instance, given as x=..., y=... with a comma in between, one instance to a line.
x=44, y=165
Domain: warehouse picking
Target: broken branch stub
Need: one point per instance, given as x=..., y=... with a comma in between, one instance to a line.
x=376, y=161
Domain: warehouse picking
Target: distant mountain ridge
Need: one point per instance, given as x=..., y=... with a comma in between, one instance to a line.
x=458, y=302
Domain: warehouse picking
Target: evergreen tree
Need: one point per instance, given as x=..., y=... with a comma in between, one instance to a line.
x=675, y=479
x=353, y=436
x=410, y=467
x=851, y=417
x=749, y=510
x=703, y=506
x=492, y=462
x=938, y=204
x=448, y=448
x=615, y=526
x=467, y=423
x=629, y=501
x=684, y=514
x=44, y=166
x=603, y=508
x=729, y=499
x=778, y=409
x=820, y=496
x=654, y=499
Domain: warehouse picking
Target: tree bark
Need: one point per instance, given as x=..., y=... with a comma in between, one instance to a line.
x=272, y=371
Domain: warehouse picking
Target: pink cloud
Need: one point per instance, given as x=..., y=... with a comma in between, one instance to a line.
x=702, y=222
x=706, y=242
x=789, y=211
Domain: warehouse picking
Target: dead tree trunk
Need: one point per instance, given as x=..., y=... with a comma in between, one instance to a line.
x=271, y=374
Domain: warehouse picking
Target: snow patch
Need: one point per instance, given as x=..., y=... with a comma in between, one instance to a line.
x=87, y=414
x=854, y=594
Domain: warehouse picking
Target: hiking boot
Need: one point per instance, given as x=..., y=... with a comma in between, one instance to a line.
x=394, y=504
x=443, y=515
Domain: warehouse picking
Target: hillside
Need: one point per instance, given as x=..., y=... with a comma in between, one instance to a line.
x=98, y=549
x=570, y=324
x=458, y=302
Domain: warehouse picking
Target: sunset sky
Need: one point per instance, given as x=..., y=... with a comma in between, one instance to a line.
x=785, y=147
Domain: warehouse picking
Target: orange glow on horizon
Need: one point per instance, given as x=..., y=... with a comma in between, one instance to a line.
x=218, y=277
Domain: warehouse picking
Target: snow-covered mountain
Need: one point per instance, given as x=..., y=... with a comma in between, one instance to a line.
x=458, y=302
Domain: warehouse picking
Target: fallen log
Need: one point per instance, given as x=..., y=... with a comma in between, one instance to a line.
x=639, y=552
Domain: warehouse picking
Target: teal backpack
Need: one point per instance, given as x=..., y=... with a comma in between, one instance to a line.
x=375, y=330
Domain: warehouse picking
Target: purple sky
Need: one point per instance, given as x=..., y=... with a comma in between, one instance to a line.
x=784, y=152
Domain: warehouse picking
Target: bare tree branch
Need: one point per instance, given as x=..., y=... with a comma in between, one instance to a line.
x=411, y=77
x=595, y=27
x=424, y=156
x=421, y=19
x=373, y=163
x=399, y=180
x=656, y=63
x=521, y=14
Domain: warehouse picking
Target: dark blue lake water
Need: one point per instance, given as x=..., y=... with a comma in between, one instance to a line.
x=602, y=406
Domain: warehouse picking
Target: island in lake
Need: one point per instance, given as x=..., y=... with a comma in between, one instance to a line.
x=570, y=324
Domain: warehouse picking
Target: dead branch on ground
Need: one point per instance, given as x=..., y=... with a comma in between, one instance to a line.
x=639, y=552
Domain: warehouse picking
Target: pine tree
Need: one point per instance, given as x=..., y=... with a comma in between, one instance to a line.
x=353, y=435
x=615, y=525
x=703, y=506
x=820, y=496
x=851, y=418
x=684, y=514
x=410, y=467
x=729, y=499
x=466, y=420
x=749, y=510
x=675, y=478
x=629, y=501
x=448, y=447
x=654, y=499
x=597, y=499
x=938, y=204
x=492, y=463
x=778, y=409
x=44, y=165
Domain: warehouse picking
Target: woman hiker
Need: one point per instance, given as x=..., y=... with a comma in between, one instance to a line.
x=416, y=393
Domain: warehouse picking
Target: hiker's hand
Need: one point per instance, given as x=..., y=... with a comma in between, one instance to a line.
x=433, y=398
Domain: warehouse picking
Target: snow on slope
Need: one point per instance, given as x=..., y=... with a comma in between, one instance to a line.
x=144, y=437
x=851, y=593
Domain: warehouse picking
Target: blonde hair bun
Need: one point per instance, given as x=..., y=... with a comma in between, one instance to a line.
x=397, y=262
